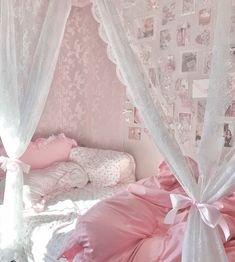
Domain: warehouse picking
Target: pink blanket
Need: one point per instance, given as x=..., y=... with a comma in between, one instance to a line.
x=129, y=226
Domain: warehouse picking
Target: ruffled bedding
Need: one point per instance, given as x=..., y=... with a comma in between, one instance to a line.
x=47, y=233
x=129, y=227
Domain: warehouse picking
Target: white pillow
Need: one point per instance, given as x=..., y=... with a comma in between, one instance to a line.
x=105, y=167
x=43, y=184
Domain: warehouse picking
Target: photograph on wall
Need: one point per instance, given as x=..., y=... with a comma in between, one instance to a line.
x=205, y=16
x=145, y=28
x=188, y=7
x=184, y=127
x=230, y=111
x=231, y=85
x=165, y=38
x=200, y=88
x=170, y=64
x=185, y=121
x=144, y=53
x=183, y=34
x=207, y=63
x=189, y=62
x=228, y=135
x=182, y=87
x=166, y=86
x=136, y=117
x=168, y=13
x=183, y=91
x=203, y=38
x=134, y=133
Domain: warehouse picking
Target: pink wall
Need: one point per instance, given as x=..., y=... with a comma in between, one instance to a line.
x=86, y=100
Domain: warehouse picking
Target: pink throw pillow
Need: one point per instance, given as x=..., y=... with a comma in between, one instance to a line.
x=44, y=184
x=105, y=167
x=45, y=151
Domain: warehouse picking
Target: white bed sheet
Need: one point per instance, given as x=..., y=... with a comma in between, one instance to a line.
x=47, y=232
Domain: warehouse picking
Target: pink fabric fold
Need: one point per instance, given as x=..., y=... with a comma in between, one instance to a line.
x=129, y=227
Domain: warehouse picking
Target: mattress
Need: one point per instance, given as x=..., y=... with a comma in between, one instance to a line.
x=47, y=233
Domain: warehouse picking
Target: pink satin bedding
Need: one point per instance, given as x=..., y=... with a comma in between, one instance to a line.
x=129, y=226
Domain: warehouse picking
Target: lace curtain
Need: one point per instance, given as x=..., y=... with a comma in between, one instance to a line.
x=31, y=34
x=217, y=178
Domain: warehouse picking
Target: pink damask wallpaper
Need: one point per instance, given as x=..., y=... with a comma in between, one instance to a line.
x=86, y=100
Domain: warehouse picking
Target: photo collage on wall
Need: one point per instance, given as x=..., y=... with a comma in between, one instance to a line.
x=133, y=120
x=174, y=41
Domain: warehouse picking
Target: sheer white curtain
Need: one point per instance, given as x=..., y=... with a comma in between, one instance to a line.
x=31, y=35
x=217, y=178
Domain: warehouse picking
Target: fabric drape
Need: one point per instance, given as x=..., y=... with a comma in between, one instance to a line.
x=31, y=35
x=217, y=177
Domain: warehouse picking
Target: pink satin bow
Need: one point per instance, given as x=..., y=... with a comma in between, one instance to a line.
x=209, y=213
x=13, y=165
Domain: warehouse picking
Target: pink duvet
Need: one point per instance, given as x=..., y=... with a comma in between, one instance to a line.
x=129, y=226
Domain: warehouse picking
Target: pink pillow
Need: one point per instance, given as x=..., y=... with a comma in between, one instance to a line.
x=44, y=184
x=105, y=167
x=131, y=227
x=45, y=151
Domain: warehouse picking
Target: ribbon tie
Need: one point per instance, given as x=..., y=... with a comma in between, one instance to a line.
x=209, y=213
x=13, y=165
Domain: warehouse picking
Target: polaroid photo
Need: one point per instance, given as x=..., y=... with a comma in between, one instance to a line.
x=182, y=89
x=203, y=38
x=183, y=34
x=200, y=88
x=231, y=86
x=185, y=121
x=165, y=39
x=145, y=28
x=170, y=64
x=136, y=116
x=231, y=82
x=188, y=7
x=228, y=135
x=182, y=86
x=166, y=85
x=134, y=133
x=205, y=16
x=184, y=127
x=168, y=13
x=145, y=52
x=230, y=111
x=201, y=109
x=189, y=62
x=207, y=63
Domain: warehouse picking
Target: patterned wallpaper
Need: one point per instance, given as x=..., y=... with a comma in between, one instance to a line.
x=86, y=100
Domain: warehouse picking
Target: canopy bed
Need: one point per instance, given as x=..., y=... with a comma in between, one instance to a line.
x=199, y=222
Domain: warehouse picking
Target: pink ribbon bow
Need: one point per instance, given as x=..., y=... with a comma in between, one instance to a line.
x=13, y=165
x=209, y=213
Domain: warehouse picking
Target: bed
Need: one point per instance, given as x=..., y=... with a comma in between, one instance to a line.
x=105, y=173
x=48, y=232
